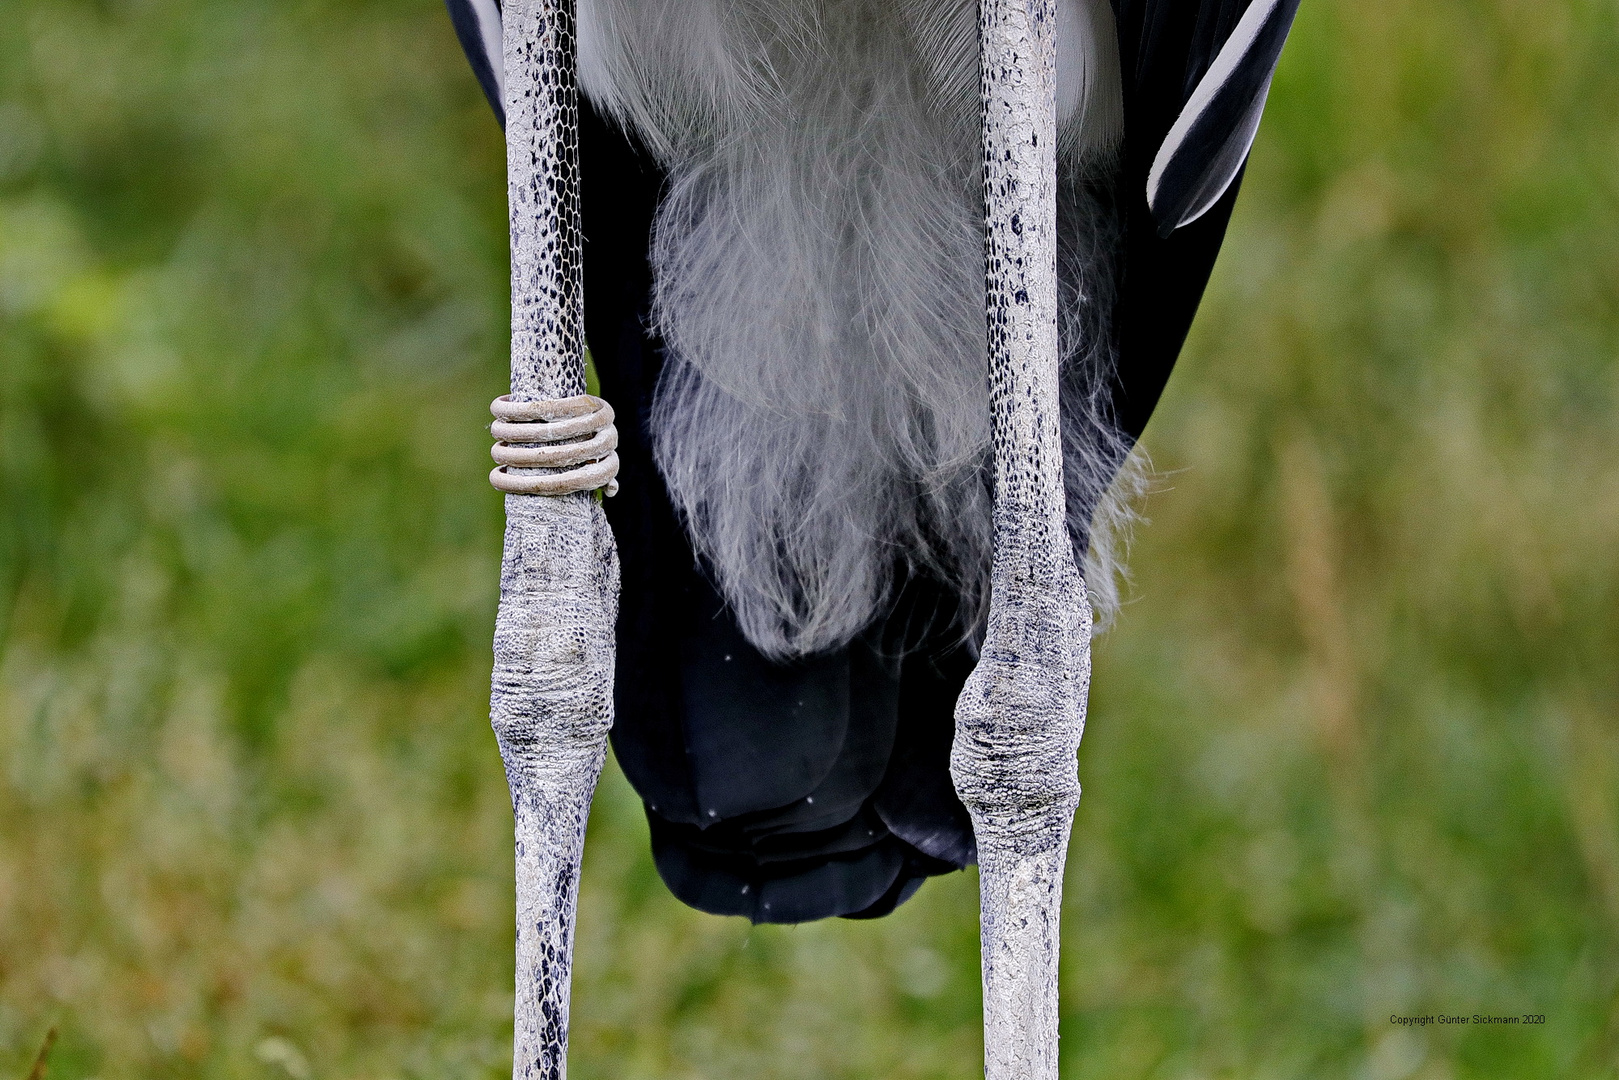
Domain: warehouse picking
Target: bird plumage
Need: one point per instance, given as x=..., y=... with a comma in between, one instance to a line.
x=1211, y=137
x=784, y=288
x=477, y=27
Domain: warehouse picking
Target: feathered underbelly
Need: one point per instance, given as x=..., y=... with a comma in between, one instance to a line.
x=818, y=281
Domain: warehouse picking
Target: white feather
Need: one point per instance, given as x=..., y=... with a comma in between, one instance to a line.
x=818, y=267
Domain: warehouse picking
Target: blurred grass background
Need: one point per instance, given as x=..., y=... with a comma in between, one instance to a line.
x=1353, y=749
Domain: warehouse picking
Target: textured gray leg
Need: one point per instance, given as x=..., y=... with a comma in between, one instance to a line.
x=552, y=699
x=1020, y=716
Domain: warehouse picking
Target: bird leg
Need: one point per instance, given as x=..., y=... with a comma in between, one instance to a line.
x=551, y=705
x=1021, y=713
x=551, y=709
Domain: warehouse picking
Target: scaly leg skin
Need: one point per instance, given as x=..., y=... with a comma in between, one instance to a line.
x=1017, y=729
x=1021, y=714
x=552, y=702
x=551, y=708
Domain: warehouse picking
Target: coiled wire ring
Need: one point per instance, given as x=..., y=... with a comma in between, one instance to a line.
x=575, y=434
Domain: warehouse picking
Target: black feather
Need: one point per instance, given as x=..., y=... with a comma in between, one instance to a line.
x=1208, y=143
x=484, y=64
x=1165, y=49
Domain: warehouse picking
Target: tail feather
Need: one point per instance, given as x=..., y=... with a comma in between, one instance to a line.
x=820, y=787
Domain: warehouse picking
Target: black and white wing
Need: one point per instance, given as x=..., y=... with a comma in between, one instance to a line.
x=477, y=24
x=1210, y=139
x=1196, y=74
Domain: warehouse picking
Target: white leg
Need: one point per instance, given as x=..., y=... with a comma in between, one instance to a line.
x=1020, y=716
x=552, y=697
x=551, y=708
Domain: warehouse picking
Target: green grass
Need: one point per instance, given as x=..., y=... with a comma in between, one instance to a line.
x=1354, y=747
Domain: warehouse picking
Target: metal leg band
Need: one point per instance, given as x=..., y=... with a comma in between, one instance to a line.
x=574, y=435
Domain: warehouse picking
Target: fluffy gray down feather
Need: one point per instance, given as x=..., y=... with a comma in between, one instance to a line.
x=818, y=264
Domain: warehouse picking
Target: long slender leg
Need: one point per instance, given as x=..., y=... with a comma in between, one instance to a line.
x=552, y=695
x=1020, y=716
